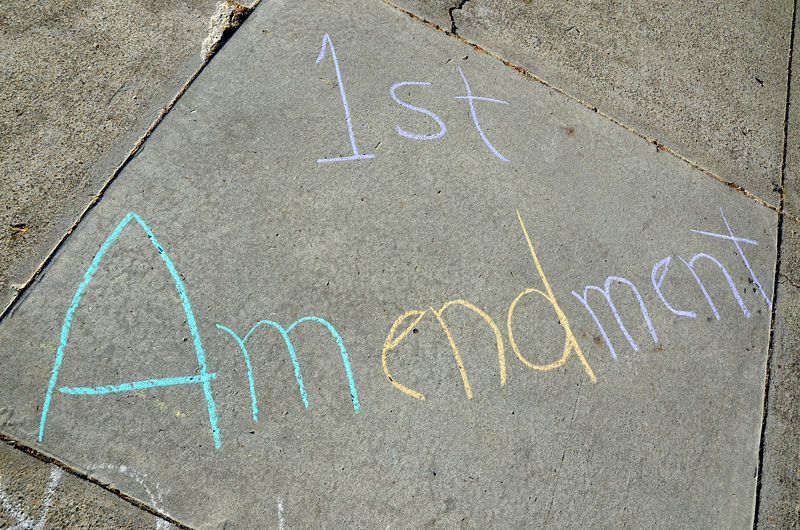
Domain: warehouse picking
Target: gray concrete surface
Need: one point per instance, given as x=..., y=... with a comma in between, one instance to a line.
x=705, y=79
x=779, y=496
x=664, y=433
x=80, y=82
x=38, y=495
x=791, y=184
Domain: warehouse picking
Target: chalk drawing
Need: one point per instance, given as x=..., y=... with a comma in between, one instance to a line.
x=736, y=241
x=391, y=342
x=285, y=334
x=570, y=343
x=501, y=358
x=25, y=521
x=607, y=293
x=735, y=291
x=657, y=287
x=281, y=521
x=155, y=497
x=203, y=378
x=470, y=98
x=326, y=41
x=442, y=128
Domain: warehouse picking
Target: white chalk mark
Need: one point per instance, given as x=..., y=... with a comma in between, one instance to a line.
x=55, y=477
x=470, y=98
x=326, y=42
x=14, y=509
x=280, y=514
x=155, y=498
x=25, y=521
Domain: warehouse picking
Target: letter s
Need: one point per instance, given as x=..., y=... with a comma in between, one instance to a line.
x=401, y=132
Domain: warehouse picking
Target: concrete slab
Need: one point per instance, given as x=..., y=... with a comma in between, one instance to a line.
x=459, y=212
x=80, y=83
x=779, y=494
x=791, y=183
x=35, y=494
x=705, y=79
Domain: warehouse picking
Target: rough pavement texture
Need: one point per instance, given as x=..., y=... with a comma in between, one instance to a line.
x=779, y=499
x=258, y=229
x=705, y=79
x=37, y=495
x=710, y=94
x=80, y=82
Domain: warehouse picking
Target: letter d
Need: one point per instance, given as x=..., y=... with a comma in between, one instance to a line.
x=570, y=344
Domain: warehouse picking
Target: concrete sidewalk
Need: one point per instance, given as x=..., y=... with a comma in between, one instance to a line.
x=378, y=270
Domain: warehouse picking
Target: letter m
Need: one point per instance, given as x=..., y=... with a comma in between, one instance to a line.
x=298, y=376
x=606, y=290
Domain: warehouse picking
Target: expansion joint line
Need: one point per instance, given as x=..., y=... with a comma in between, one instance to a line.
x=30, y=451
x=137, y=146
x=778, y=242
x=659, y=146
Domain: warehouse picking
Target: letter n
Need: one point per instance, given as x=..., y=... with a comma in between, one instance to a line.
x=690, y=265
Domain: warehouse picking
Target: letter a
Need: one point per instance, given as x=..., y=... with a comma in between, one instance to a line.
x=202, y=378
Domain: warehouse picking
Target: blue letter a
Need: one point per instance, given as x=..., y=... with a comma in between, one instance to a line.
x=203, y=378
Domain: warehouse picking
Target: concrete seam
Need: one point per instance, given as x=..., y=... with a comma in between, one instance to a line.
x=137, y=146
x=659, y=146
x=778, y=274
x=77, y=473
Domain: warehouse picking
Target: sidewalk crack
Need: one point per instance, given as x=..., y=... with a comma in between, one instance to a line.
x=654, y=141
x=778, y=274
x=453, y=28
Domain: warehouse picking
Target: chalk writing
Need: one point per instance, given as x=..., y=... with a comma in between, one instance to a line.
x=736, y=240
x=203, y=378
x=285, y=334
x=657, y=283
x=156, y=497
x=326, y=41
x=607, y=293
x=402, y=326
x=470, y=98
x=439, y=122
x=570, y=344
x=501, y=358
x=393, y=339
x=657, y=287
x=690, y=265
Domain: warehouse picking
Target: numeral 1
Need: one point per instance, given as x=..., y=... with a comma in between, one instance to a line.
x=326, y=41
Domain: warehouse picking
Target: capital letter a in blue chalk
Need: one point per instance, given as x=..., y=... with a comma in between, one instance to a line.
x=203, y=378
